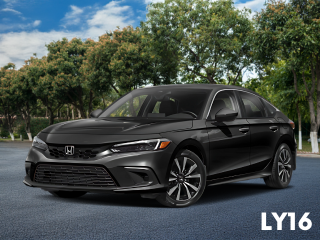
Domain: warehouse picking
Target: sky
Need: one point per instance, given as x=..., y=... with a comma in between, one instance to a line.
x=27, y=25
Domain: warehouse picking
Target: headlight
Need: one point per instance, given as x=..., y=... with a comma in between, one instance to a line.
x=38, y=143
x=143, y=145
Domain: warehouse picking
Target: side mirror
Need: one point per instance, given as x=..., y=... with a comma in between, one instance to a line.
x=95, y=113
x=225, y=115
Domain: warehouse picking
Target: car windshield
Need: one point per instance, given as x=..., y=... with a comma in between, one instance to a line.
x=156, y=103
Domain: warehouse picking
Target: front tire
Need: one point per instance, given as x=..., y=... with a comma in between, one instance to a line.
x=281, y=169
x=67, y=194
x=187, y=180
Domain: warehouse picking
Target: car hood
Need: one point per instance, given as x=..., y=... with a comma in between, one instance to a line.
x=101, y=126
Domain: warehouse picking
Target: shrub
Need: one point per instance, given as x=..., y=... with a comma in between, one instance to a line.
x=4, y=132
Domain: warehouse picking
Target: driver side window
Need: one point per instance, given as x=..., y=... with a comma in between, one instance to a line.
x=225, y=99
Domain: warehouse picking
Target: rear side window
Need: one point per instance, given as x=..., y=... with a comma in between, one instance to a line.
x=225, y=99
x=252, y=105
x=270, y=110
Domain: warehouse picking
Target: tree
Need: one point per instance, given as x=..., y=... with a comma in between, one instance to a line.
x=120, y=61
x=24, y=97
x=43, y=86
x=292, y=32
x=64, y=60
x=211, y=37
x=7, y=100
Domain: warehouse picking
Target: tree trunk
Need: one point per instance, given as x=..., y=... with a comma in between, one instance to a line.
x=314, y=127
x=313, y=121
x=26, y=115
x=51, y=116
x=300, y=133
x=90, y=102
x=104, y=102
x=11, y=135
x=79, y=114
x=67, y=112
x=72, y=112
x=211, y=79
x=27, y=121
x=10, y=121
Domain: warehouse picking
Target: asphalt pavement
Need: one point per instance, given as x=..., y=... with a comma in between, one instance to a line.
x=230, y=211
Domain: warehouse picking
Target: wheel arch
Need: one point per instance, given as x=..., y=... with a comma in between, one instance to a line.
x=287, y=139
x=194, y=146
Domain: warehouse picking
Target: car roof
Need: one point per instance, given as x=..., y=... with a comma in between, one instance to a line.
x=215, y=87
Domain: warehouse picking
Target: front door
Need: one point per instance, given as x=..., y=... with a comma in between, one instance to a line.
x=229, y=141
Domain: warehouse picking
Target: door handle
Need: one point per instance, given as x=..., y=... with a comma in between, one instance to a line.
x=244, y=129
x=273, y=128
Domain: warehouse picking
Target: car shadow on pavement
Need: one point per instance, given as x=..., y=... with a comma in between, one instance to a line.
x=224, y=192
x=212, y=194
x=108, y=199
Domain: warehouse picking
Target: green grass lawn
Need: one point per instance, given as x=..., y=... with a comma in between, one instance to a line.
x=306, y=146
x=16, y=140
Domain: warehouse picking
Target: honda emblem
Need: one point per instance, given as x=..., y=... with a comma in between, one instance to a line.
x=69, y=150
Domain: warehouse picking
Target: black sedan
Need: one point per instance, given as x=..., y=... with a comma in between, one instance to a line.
x=166, y=143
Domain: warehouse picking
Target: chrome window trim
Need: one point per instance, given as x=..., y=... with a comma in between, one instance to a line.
x=238, y=103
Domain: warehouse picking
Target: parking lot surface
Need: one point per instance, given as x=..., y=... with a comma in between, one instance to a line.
x=230, y=211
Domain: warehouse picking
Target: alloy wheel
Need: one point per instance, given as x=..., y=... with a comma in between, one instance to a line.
x=185, y=179
x=284, y=168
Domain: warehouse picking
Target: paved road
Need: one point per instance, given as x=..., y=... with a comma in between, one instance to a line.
x=231, y=211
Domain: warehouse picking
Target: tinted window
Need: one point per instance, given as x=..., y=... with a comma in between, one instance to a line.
x=270, y=110
x=252, y=105
x=165, y=103
x=225, y=99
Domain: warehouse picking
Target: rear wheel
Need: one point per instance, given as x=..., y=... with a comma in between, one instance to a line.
x=67, y=194
x=281, y=169
x=187, y=179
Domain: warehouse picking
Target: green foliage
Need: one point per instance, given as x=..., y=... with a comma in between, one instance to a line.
x=208, y=37
x=122, y=60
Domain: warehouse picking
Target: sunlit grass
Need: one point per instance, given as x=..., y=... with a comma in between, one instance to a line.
x=306, y=146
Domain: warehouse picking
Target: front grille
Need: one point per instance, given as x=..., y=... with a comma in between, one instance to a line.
x=80, y=151
x=72, y=175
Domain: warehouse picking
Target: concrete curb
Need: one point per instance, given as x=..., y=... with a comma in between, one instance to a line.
x=308, y=155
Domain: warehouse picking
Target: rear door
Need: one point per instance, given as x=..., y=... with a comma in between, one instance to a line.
x=264, y=130
x=229, y=141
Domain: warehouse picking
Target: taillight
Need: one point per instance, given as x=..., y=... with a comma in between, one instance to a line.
x=291, y=124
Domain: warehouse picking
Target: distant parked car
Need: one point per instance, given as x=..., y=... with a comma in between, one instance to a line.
x=309, y=140
x=167, y=143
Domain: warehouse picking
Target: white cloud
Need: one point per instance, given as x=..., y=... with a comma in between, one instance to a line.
x=96, y=22
x=73, y=17
x=36, y=23
x=19, y=46
x=254, y=5
x=152, y=1
x=10, y=10
x=108, y=18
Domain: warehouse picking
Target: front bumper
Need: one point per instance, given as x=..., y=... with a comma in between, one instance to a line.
x=137, y=172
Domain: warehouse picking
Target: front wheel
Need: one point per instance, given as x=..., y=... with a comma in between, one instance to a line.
x=281, y=169
x=67, y=194
x=187, y=178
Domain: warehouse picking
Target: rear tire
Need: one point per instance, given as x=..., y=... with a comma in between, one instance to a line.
x=281, y=169
x=187, y=180
x=67, y=194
